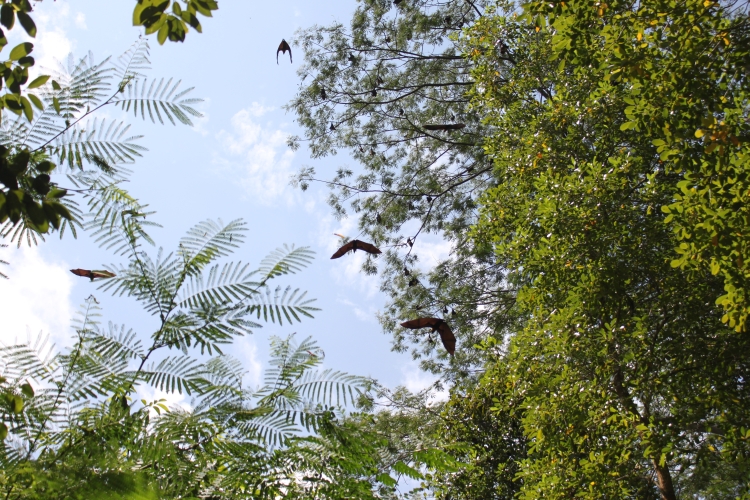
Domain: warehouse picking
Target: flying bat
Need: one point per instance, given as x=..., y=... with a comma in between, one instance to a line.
x=283, y=47
x=445, y=126
x=92, y=274
x=355, y=245
x=437, y=324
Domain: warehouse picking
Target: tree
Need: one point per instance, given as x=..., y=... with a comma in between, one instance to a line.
x=30, y=201
x=683, y=65
x=377, y=89
x=95, y=152
x=613, y=364
x=631, y=385
x=83, y=433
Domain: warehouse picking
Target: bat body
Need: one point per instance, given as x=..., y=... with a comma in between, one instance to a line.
x=437, y=324
x=85, y=273
x=283, y=47
x=355, y=245
x=445, y=126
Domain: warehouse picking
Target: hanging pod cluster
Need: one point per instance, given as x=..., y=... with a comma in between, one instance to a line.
x=30, y=195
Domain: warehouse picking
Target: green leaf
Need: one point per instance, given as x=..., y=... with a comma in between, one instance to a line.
x=3, y=431
x=36, y=102
x=161, y=37
x=21, y=50
x=17, y=404
x=38, y=81
x=27, y=23
x=7, y=16
x=28, y=111
x=27, y=390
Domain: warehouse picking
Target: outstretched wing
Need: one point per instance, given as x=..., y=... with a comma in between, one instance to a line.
x=101, y=274
x=341, y=251
x=283, y=47
x=447, y=337
x=81, y=272
x=368, y=247
x=418, y=323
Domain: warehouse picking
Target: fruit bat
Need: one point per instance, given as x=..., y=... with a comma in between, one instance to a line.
x=92, y=274
x=283, y=47
x=355, y=245
x=445, y=126
x=437, y=324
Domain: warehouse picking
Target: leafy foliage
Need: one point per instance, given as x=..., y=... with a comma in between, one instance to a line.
x=596, y=361
x=683, y=65
x=370, y=88
x=95, y=152
x=83, y=431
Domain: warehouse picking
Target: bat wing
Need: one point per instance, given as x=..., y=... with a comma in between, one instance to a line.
x=81, y=272
x=283, y=47
x=368, y=247
x=418, y=323
x=341, y=251
x=447, y=337
x=102, y=274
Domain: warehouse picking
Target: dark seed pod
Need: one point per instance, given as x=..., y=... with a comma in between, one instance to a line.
x=406, y=272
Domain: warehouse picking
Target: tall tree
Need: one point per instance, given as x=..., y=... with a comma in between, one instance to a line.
x=391, y=90
x=605, y=351
x=631, y=384
x=683, y=65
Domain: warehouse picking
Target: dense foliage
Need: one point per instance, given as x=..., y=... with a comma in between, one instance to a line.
x=603, y=272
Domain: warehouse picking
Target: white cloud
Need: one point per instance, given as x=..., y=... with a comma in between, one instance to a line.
x=431, y=249
x=246, y=350
x=361, y=314
x=259, y=154
x=80, y=21
x=170, y=399
x=36, y=298
x=417, y=380
x=52, y=43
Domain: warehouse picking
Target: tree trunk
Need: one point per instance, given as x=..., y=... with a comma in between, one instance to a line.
x=664, y=481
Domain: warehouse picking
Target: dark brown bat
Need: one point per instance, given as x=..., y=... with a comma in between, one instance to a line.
x=437, y=324
x=445, y=126
x=92, y=274
x=355, y=245
x=283, y=47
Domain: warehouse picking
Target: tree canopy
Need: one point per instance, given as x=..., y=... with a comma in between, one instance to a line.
x=588, y=170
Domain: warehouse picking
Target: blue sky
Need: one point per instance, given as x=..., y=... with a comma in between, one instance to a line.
x=233, y=164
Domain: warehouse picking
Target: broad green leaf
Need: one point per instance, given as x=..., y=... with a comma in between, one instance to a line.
x=21, y=50
x=38, y=81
